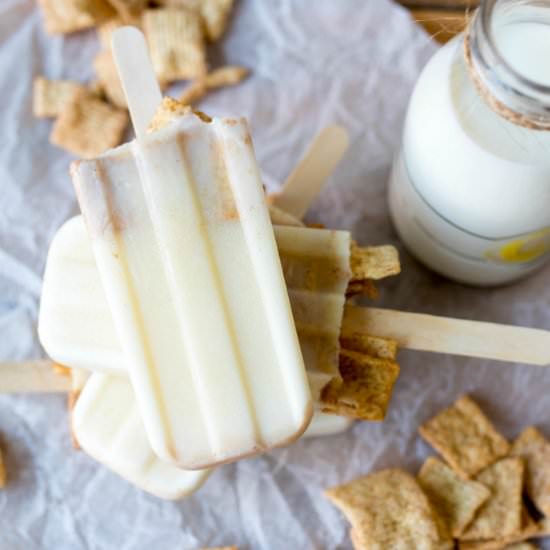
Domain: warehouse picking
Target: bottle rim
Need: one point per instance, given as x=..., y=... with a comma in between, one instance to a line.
x=521, y=93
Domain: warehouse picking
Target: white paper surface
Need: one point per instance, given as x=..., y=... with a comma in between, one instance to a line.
x=314, y=63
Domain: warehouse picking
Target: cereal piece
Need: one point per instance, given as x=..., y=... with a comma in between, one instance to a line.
x=51, y=96
x=215, y=14
x=3, y=476
x=465, y=438
x=226, y=76
x=530, y=530
x=387, y=510
x=187, y=4
x=218, y=78
x=355, y=540
x=497, y=545
x=128, y=10
x=501, y=515
x=176, y=43
x=366, y=287
x=544, y=527
x=64, y=16
x=374, y=346
x=374, y=262
x=107, y=73
x=534, y=448
x=194, y=92
x=95, y=88
x=168, y=110
x=88, y=126
x=365, y=389
x=105, y=30
x=171, y=109
x=455, y=499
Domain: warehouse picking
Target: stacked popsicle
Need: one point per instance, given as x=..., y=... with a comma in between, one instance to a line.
x=208, y=329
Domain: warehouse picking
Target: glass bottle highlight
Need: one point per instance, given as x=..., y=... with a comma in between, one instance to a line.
x=469, y=192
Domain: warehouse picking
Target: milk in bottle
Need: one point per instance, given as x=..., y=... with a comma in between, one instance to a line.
x=469, y=192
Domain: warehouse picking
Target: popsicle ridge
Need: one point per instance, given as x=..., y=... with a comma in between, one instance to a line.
x=318, y=264
x=239, y=158
x=109, y=428
x=191, y=290
x=198, y=299
x=103, y=213
x=174, y=289
x=212, y=293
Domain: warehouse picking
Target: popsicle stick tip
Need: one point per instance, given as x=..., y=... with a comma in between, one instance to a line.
x=340, y=134
x=309, y=176
x=137, y=76
x=122, y=35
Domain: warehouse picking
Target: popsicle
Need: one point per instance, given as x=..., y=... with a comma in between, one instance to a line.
x=316, y=266
x=108, y=427
x=323, y=424
x=39, y=376
x=188, y=261
x=76, y=328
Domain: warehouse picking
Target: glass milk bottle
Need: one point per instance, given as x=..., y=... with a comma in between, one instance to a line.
x=469, y=192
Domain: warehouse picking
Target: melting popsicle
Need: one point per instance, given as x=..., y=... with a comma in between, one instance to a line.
x=108, y=426
x=189, y=265
x=76, y=328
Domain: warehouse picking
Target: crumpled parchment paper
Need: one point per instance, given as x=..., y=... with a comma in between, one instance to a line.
x=313, y=63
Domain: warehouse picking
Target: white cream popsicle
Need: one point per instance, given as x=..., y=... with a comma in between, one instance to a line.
x=75, y=324
x=327, y=424
x=76, y=328
x=187, y=258
x=108, y=426
x=316, y=266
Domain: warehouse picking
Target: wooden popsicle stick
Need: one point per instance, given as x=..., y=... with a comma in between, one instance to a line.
x=311, y=173
x=32, y=377
x=417, y=331
x=138, y=78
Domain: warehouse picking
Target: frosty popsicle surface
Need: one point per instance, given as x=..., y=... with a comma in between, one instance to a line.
x=185, y=250
x=108, y=426
x=76, y=328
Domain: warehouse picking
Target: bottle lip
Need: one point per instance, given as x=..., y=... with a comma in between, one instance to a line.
x=486, y=11
x=519, y=92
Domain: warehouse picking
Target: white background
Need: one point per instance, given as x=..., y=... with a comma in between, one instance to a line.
x=353, y=62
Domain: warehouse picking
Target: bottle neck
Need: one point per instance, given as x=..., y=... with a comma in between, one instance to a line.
x=512, y=94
